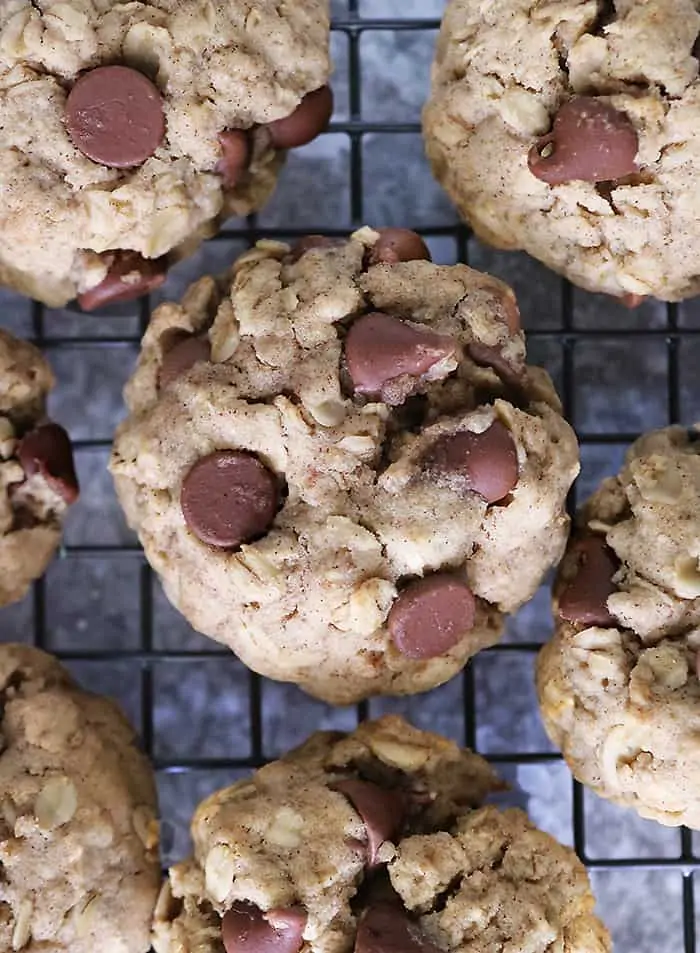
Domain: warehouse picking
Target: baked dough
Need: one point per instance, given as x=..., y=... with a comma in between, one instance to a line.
x=502, y=73
x=79, y=866
x=37, y=479
x=221, y=67
x=287, y=853
x=619, y=684
x=348, y=377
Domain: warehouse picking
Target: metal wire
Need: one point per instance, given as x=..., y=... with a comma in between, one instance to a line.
x=352, y=26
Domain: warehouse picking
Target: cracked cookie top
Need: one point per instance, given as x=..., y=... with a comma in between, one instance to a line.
x=130, y=129
x=79, y=863
x=569, y=128
x=373, y=841
x=37, y=476
x=340, y=464
x=619, y=684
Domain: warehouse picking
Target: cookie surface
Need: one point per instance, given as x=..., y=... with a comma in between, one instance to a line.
x=571, y=131
x=37, y=477
x=129, y=130
x=304, y=854
x=388, y=473
x=619, y=685
x=78, y=830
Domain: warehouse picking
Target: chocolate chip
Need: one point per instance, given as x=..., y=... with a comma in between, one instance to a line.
x=130, y=276
x=512, y=312
x=47, y=450
x=632, y=301
x=229, y=497
x=486, y=356
x=395, y=245
x=587, y=571
x=381, y=810
x=431, y=615
x=181, y=357
x=308, y=243
x=114, y=115
x=247, y=929
x=485, y=463
x=590, y=140
x=386, y=928
x=380, y=348
x=235, y=153
x=308, y=120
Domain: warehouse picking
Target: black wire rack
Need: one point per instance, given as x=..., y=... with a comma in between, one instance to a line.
x=671, y=334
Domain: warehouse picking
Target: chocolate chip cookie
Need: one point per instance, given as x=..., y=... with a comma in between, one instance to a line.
x=37, y=477
x=129, y=131
x=79, y=866
x=373, y=841
x=340, y=465
x=571, y=131
x=619, y=684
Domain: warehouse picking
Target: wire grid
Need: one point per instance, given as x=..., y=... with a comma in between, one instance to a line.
x=351, y=24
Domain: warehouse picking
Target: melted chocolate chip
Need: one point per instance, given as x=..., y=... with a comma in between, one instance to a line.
x=386, y=928
x=395, y=245
x=308, y=120
x=47, y=450
x=380, y=348
x=114, y=115
x=228, y=498
x=181, y=357
x=513, y=377
x=485, y=463
x=431, y=616
x=590, y=141
x=632, y=301
x=247, y=929
x=587, y=571
x=380, y=809
x=235, y=153
x=130, y=276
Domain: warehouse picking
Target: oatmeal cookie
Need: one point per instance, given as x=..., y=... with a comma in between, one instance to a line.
x=79, y=866
x=619, y=684
x=130, y=130
x=570, y=129
x=37, y=476
x=373, y=841
x=340, y=465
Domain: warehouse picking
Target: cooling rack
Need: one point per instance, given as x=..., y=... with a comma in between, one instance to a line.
x=588, y=351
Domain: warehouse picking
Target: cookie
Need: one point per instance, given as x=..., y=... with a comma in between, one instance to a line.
x=131, y=130
x=340, y=465
x=619, y=684
x=571, y=132
x=37, y=476
x=79, y=867
x=373, y=841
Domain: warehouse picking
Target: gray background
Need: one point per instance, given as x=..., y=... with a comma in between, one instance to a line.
x=201, y=711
